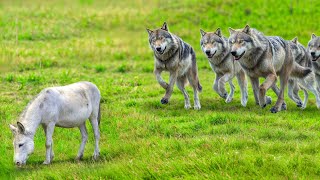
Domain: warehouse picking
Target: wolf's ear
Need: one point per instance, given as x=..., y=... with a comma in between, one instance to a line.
x=246, y=29
x=149, y=31
x=295, y=40
x=231, y=31
x=313, y=36
x=13, y=129
x=165, y=26
x=202, y=32
x=218, y=32
x=21, y=127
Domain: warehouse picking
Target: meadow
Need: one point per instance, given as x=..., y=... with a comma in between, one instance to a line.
x=51, y=43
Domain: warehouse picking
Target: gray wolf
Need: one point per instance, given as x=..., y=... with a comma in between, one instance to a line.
x=172, y=54
x=314, y=50
x=303, y=58
x=216, y=48
x=65, y=106
x=268, y=57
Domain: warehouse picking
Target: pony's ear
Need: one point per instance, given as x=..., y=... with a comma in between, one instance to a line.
x=13, y=129
x=218, y=32
x=165, y=26
x=21, y=127
x=313, y=36
x=202, y=32
x=231, y=31
x=149, y=31
x=295, y=40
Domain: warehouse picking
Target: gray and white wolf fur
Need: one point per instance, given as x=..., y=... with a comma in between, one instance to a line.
x=217, y=50
x=65, y=106
x=314, y=50
x=172, y=54
x=268, y=57
x=303, y=58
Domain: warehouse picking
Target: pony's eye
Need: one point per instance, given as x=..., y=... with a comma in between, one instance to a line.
x=20, y=145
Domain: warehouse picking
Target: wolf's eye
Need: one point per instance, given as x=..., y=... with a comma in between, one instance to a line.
x=20, y=145
x=240, y=41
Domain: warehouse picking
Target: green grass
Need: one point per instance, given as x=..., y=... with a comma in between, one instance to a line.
x=56, y=43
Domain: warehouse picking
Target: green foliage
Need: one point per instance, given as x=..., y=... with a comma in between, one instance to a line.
x=48, y=43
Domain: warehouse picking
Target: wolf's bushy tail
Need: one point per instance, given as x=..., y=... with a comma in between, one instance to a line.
x=299, y=71
x=195, y=70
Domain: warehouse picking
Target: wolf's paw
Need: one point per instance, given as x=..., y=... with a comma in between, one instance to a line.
x=299, y=104
x=283, y=106
x=164, y=101
x=78, y=158
x=197, y=107
x=263, y=106
x=274, y=109
x=268, y=100
x=187, y=106
x=229, y=99
x=224, y=95
x=46, y=162
x=304, y=106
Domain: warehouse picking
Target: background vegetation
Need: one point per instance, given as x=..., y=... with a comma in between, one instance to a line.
x=49, y=43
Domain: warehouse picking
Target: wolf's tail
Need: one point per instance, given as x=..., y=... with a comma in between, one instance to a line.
x=195, y=70
x=299, y=71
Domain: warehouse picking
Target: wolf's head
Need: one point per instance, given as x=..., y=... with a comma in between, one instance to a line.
x=240, y=42
x=314, y=47
x=212, y=43
x=296, y=49
x=160, y=40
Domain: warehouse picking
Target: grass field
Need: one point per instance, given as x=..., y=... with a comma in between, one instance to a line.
x=56, y=43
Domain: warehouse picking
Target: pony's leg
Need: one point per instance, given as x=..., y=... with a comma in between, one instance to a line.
x=95, y=126
x=84, y=135
x=49, y=129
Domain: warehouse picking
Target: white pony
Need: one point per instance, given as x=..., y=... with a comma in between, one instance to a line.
x=65, y=106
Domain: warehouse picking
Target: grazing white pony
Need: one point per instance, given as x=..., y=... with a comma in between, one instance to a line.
x=65, y=106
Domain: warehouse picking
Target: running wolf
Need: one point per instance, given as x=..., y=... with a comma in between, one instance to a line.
x=314, y=50
x=268, y=57
x=216, y=48
x=303, y=58
x=172, y=54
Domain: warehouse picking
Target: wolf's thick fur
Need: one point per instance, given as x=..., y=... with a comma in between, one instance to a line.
x=216, y=48
x=172, y=54
x=303, y=58
x=264, y=56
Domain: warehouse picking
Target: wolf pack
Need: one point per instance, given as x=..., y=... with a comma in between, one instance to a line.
x=246, y=53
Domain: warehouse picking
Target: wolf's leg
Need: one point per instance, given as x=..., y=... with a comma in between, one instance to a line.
x=310, y=87
x=296, y=90
x=255, y=88
x=216, y=86
x=181, y=85
x=231, y=94
x=291, y=92
x=221, y=84
x=284, y=77
x=269, y=82
x=172, y=81
x=194, y=83
x=84, y=139
x=306, y=96
x=243, y=83
x=317, y=79
x=157, y=73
